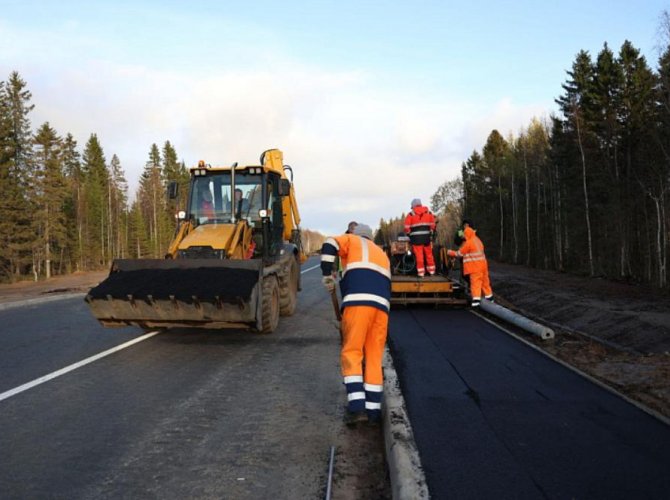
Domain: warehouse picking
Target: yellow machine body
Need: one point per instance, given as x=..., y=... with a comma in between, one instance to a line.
x=224, y=270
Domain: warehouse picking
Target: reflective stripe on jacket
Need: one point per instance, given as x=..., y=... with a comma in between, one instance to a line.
x=366, y=278
x=419, y=224
x=472, y=251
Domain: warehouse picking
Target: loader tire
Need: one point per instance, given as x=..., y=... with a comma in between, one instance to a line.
x=270, y=311
x=288, y=289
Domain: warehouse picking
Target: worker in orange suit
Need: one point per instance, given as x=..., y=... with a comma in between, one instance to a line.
x=206, y=204
x=420, y=226
x=474, y=264
x=366, y=295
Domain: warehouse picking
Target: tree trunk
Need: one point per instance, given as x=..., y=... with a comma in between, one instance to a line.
x=514, y=235
x=47, y=247
x=558, y=222
x=525, y=169
x=80, y=243
x=502, y=221
x=110, y=248
x=664, y=242
x=586, y=196
x=661, y=235
x=538, y=223
x=102, y=236
x=155, y=216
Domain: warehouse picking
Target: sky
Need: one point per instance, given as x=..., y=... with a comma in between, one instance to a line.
x=374, y=103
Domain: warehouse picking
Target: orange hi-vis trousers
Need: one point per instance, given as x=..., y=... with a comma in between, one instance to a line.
x=364, y=330
x=479, y=282
x=419, y=251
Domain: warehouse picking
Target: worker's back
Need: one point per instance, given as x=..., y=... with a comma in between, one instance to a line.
x=367, y=277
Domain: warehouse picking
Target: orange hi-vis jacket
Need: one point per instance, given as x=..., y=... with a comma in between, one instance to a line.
x=366, y=278
x=472, y=251
x=419, y=224
x=207, y=209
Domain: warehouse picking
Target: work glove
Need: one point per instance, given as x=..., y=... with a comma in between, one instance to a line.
x=329, y=283
x=451, y=253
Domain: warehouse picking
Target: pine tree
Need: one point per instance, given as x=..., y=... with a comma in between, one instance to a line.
x=577, y=108
x=152, y=201
x=15, y=177
x=176, y=171
x=95, y=220
x=118, y=208
x=495, y=154
x=637, y=113
x=138, y=240
x=49, y=198
x=75, y=203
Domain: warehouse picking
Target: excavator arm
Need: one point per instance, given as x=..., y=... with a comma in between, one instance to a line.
x=273, y=160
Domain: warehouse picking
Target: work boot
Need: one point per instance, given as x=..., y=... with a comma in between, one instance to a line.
x=489, y=298
x=374, y=420
x=352, y=418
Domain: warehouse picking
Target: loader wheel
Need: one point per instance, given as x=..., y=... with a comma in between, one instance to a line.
x=288, y=291
x=270, y=313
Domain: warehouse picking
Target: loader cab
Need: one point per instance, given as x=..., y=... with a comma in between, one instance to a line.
x=256, y=198
x=212, y=200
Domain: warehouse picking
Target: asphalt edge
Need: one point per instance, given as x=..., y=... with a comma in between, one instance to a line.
x=639, y=405
x=39, y=300
x=402, y=455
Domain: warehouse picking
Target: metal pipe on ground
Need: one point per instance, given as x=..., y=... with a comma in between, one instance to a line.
x=529, y=325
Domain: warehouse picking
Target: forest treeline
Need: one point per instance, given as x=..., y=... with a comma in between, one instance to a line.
x=587, y=191
x=62, y=210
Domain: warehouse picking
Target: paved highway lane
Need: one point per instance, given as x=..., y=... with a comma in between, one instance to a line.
x=184, y=414
x=494, y=418
x=38, y=339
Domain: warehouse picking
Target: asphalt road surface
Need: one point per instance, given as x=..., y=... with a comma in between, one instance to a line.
x=229, y=414
x=493, y=418
x=182, y=414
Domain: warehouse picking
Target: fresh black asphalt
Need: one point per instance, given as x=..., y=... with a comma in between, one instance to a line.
x=494, y=418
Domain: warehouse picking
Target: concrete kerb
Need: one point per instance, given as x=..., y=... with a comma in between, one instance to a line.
x=407, y=478
x=40, y=300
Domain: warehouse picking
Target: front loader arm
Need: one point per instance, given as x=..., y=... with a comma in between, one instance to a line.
x=184, y=228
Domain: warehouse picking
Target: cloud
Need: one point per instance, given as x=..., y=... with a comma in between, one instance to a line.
x=360, y=147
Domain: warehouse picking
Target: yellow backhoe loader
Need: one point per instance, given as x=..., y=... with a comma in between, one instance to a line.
x=234, y=261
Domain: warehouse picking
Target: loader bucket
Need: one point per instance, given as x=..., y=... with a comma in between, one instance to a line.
x=206, y=293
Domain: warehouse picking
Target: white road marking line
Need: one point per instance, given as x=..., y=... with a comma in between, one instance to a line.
x=63, y=371
x=79, y=364
x=309, y=269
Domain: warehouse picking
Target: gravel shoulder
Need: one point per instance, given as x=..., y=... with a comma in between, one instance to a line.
x=70, y=283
